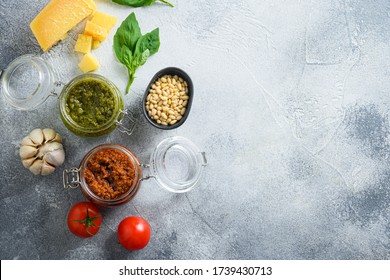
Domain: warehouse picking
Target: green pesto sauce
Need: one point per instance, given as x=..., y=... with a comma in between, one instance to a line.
x=90, y=103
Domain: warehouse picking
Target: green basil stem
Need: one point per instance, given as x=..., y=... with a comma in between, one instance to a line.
x=166, y=2
x=131, y=80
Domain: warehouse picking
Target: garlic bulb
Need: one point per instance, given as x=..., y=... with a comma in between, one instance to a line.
x=41, y=151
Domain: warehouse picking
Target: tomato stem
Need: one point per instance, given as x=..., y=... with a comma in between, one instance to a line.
x=88, y=222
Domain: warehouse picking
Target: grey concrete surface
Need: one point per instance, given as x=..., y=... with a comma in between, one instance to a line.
x=292, y=108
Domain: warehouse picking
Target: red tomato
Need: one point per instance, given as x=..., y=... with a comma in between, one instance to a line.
x=134, y=233
x=84, y=219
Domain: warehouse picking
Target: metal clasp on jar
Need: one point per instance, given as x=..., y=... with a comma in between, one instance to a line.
x=119, y=122
x=204, y=158
x=57, y=85
x=147, y=167
x=71, y=178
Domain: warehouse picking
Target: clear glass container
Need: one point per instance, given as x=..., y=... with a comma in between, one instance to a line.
x=176, y=164
x=113, y=122
x=29, y=80
x=75, y=177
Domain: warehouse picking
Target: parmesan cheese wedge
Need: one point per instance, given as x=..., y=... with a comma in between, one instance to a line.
x=57, y=18
x=89, y=63
x=83, y=44
x=104, y=20
x=95, y=44
x=97, y=32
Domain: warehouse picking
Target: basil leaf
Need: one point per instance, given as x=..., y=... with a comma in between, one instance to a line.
x=126, y=57
x=140, y=58
x=144, y=57
x=149, y=41
x=135, y=3
x=127, y=34
x=140, y=3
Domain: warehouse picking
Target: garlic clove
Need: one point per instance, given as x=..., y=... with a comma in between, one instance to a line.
x=36, y=167
x=27, y=152
x=27, y=142
x=49, y=134
x=36, y=136
x=58, y=138
x=49, y=147
x=28, y=162
x=47, y=169
x=56, y=157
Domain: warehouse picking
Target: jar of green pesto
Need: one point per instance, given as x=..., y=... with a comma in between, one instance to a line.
x=92, y=106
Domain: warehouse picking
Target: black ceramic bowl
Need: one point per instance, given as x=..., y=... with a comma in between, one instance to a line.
x=170, y=71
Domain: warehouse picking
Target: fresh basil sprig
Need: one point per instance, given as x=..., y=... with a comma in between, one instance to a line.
x=140, y=3
x=132, y=48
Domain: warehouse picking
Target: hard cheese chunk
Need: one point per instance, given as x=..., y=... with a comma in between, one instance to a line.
x=104, y=20
x=57, y=18
x=96, y=31
x=95, y=44
x=83, y=44
x=89, y=63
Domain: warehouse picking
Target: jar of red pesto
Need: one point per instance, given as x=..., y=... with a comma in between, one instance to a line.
x=110, y=174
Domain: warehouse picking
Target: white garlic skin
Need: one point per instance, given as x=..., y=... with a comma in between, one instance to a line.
x=42, y=151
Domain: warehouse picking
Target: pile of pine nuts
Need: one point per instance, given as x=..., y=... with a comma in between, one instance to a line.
x=167, y=100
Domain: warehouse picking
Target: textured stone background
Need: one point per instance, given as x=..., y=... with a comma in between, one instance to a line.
x=291, y=107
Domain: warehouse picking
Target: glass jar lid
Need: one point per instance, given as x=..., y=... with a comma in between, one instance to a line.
x=177, y=164
x=27, y=82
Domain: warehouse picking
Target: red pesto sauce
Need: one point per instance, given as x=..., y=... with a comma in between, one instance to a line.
x=109, y=173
